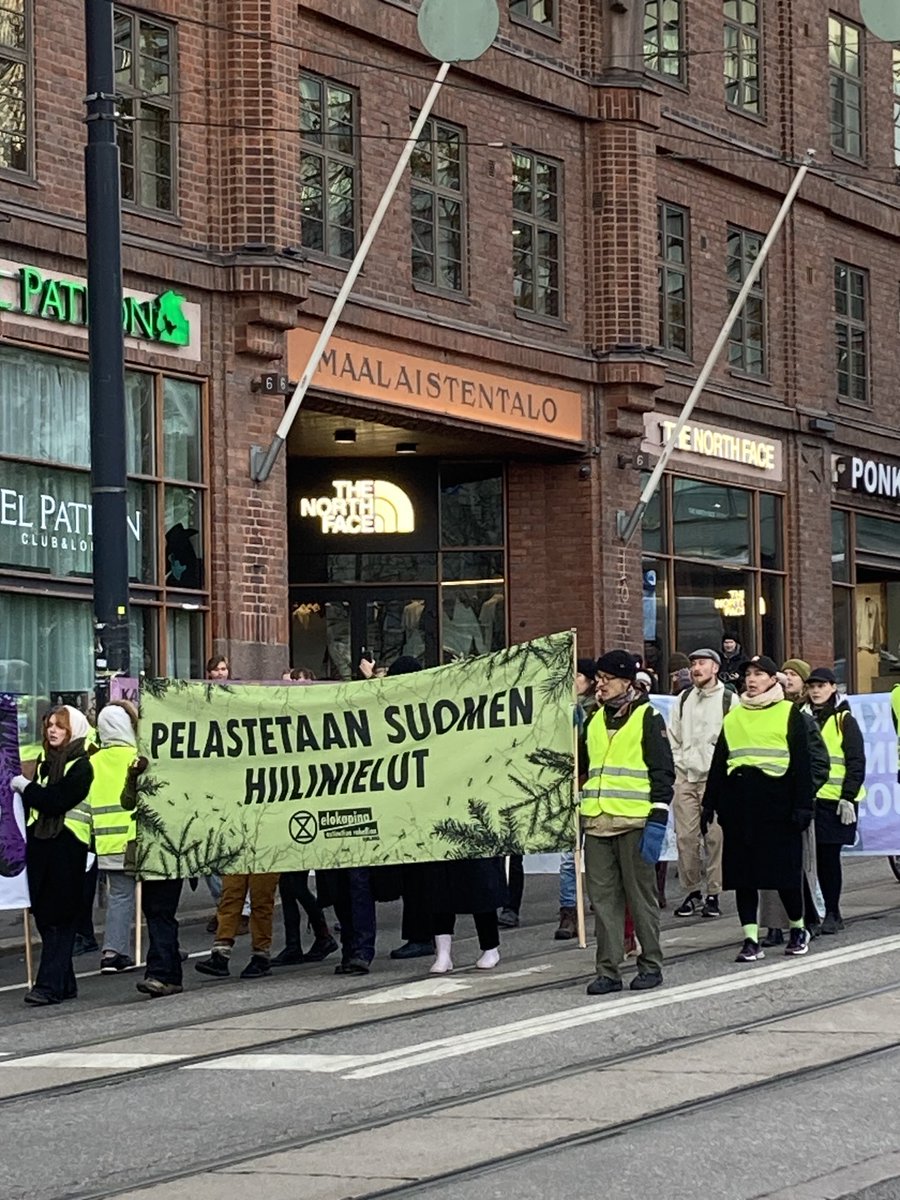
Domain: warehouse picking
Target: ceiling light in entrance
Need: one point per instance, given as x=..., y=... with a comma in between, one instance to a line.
x=406, y=447
x=345, y=437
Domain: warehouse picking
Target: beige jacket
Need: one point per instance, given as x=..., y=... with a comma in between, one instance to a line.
x=694, y=729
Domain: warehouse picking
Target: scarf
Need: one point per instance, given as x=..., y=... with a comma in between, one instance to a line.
x=772, y=696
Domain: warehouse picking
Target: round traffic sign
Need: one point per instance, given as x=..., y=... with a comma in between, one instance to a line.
x=458, y=30
x=882, y=17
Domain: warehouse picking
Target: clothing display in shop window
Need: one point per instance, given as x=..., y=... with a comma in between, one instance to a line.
x=649, y=582
x=869, y=623
x=413, y=636
x=493, y=623
x=463, y=635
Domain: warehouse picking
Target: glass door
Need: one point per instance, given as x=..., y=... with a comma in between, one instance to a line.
x=400, y=623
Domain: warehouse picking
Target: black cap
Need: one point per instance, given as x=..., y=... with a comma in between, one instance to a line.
x=762, y=662
x=404, y=665
x=822, y=675
x=587, y=667
x=618, y=663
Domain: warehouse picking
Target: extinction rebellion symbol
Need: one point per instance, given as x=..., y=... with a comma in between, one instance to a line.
x=302, y=828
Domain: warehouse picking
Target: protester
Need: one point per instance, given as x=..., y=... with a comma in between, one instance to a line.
x=293, y=887
x=474, y=886
x=694, y=727
x=218, y=669
x=837, y=801
x=760, y=788
x=114, y=828
x=586, y=703
x=795, y=672
x=625, y=809
x=58, y=822
x=508, y=917
x=733, y=659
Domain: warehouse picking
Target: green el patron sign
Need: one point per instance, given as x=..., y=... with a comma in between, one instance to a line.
x=49, y=298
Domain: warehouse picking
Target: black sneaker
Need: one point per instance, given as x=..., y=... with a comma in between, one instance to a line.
x=508, y=918
x=603, y=986
x=813, y=929
x=711, y=907
x=156, y=989
x=216, y=965
x=290, y=956
x=688, y=906
x=798, y=943
x=257, y=967
x=320, y=949
x=84, y=945
x=750, y=952
x=111, y=964
x=353, y=966
x=413, y=950
x=774, y=937
x=645, y=980
x=832, y=923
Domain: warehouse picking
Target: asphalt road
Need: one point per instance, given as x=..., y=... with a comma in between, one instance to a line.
x=776, y=1079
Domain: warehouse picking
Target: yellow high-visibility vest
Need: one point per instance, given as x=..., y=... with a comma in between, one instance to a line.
x=833, y=737
x=114, y=828
x=618, y=782
x=77, y=820
x=757, y=737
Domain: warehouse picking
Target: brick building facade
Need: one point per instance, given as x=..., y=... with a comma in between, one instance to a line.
x=505, y=352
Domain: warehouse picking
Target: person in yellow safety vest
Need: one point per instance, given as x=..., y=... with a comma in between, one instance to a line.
x=761, y=789
x=895, y=714
x=58, y=825
x=624, y=810
x=837, y=801
x=114, y=828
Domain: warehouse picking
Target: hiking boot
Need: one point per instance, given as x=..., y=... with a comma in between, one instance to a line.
x=798, y=943
x=412, y=950
x=322, y=947
x=111, y=964
x=568, y=925
x=604, y=986
x=216, y=965
x=290, y=956
x=257, y=967
x=156, y=989
x=644, y=980
x=508, y=918
x=750, y=951
x=688, y=906
x=711, y=907
x=832, y=923
x=774, y=937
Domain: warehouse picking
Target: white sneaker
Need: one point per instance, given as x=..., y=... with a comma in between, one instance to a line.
x=443, y=964
x=488, y=960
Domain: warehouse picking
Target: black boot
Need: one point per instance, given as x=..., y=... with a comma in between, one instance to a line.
x=290, y=956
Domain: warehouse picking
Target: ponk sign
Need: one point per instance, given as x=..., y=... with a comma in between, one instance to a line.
x=362, y=506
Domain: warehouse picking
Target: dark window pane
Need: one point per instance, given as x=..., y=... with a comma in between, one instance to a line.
x=840, y=565
x=843, y=633
x=471, y=505
x=655, y=618
x=140, y=422
x=710, y=600
x=711, y=521
x=472, y=565
x=771, y=552
x=186, y=655
x=182, y=446
x=184, y=538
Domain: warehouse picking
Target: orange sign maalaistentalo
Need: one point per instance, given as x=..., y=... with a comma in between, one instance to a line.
x=431, y=386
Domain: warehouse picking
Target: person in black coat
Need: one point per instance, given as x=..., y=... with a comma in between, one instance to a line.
x=58, y=836
x=763, y=813
x=837, y=803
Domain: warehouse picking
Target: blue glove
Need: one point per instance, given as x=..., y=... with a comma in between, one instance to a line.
x=652, y=840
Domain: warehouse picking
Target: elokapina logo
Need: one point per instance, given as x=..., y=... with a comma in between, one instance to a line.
x=362, y=506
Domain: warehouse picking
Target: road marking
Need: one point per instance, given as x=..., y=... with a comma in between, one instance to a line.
x=80, y=1060
x=367, y=1066
x=420, y=989
x=525, y=971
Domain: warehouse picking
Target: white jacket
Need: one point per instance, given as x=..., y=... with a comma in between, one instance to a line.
x=695, y=723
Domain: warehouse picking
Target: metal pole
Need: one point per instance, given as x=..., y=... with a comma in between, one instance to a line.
x=627, y=526
x=261, y=465
x=106, y=349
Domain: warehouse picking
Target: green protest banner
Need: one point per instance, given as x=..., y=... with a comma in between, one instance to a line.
x=462, y=761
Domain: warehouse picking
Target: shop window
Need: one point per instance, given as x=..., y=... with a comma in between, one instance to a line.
x=140, y=418
x=710, y=602
x=45, y=644
x=472, y=564
x=15, y=85
x=329, y=167
x=851, y=332
x=655, y=617
x=771, y=534
x=436, y=199
x=182, y=445
x=537, y=234
x=145, y=69
x=771, y=616
x=184, y=538
x=895, y=78
x=672, y=274
x=471, y=505
x=653, y=522
x=747, y=341
x=845, y=86
x=840, y=562
x=742, y=43
x=144, y=637
x=185, y=645
x=843, y=635
x=712, y=521
x=664, y=38
x=542, y=13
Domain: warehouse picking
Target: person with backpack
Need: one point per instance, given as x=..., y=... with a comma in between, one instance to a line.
x=695, y=723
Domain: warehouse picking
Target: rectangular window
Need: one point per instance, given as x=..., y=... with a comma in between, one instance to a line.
x=851, y=332
x=329, y=167
x=538, y=12
x=438, y=219
x=15, y=84
x=747, y=343
x=537, y=234
x=845, y=83
x=896, y=89
x=664, y=38
x=672, y=273
x=742, y=43
x=145, y=70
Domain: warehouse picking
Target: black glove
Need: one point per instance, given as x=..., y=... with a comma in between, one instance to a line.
x=707, y=817
x=802, y=819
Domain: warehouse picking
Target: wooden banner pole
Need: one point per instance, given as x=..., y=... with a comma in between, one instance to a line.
x=138, y=921
x=29, y=957
x=579, y=888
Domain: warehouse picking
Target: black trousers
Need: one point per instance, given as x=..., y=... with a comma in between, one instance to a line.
x=831, y=876
x=416, y=921
x=293, y=887
x=515, y=886
x=56, y=975
x=485, y=926
x=85, y=923
x=354, y=907
x=748, y=904
x=159, y=901
x=56, y=882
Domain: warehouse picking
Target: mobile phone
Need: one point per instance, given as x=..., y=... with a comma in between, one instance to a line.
x=367, y=654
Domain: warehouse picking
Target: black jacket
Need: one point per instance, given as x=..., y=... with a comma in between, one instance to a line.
x=851, y=743
x=654, y=745
x=730, y=670
x=55, y=799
